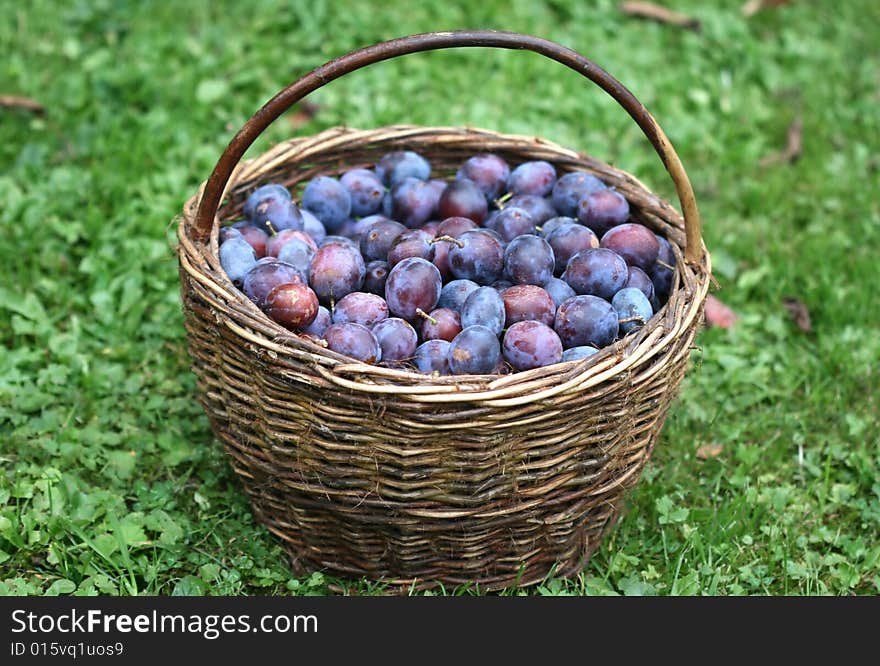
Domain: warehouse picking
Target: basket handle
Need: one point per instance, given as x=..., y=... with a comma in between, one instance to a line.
x=216, y=184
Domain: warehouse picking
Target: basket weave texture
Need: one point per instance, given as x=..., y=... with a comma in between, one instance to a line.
x=416, y=481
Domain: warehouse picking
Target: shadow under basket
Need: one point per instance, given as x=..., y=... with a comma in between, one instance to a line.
x=411, y=480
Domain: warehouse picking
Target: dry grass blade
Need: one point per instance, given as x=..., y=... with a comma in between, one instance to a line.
x=654, y=12
x=26, y=103
x=302, y=114
x=752, y=7
x=793, y=146
x=800, y=313
x=709, y=451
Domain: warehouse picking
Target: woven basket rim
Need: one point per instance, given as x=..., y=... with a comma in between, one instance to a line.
x=243, y=318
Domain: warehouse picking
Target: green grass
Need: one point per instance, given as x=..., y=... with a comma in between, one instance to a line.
x=110, y=481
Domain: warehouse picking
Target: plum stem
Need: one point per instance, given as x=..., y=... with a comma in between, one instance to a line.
x=448, y=239
x=665, y=265
x=503, y=199
x=271, y=228
x=425, y=315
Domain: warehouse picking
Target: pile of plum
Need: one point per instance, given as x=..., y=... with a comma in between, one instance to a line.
x=496, y=270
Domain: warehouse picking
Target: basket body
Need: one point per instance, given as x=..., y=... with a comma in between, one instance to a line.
x=414, y=481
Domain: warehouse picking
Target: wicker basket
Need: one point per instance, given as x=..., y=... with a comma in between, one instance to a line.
x=371, y=472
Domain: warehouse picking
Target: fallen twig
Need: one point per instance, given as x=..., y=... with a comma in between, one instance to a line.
x=799, y=313
x=649, y=10
x=26, y=103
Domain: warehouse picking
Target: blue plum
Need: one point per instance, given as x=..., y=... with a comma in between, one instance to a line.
x=474, y=351
x=365, y=189
x=479, y=256
x=432, y=357
x=536, y=178
x=603, y=210
x=398, y=340
x=487, y=171
x=529, y=259
x=353, y=340
x=328, y=200
x=586, y=320
x=393, y=167
x=531, y=344
x=633, y=309
x=597, y=271
x=571, y=188
x=484, y=306
x=413, y=284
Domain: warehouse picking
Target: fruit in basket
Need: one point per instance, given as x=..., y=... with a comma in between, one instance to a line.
x=499, y=269
x=398, y=340
x=365, y=189
x=441, y=324
x=361, y=308
x=474, y=351
x=662, y=271
x=462, y=198
x=602, y=210
x=455, y=292
x=275, y=216
x=455, y=226
x=264, y=276
x=375, y=276
x=486, y=307
x=549, y=226
x=559, y=290
x=571, y=188
x=237, y=257
x=337, y=269
x=478, y=255
x=275, y=243
x=540, y=208
x=319, y=324
x=566, y=240
x=296, y=253
x=410, y=243
x=313, y=226
x=354, y=340
x=411, y=201
x=328, y=200
x=527, y=302
x=292, y=304
x=577, y=353
x=414, y=284
x=596, y=271
x=378, y=237
x=640, y=280
x=529, y=259
x=432, y=356
x=400, y=164
x=256, y=237
x=634, y=242
x=340, y=240
x=633, y=308
x=262, y=195
x=531, y=344
x=586, y=320
x=488, y=172
x=511, y=222
x=537, y=177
